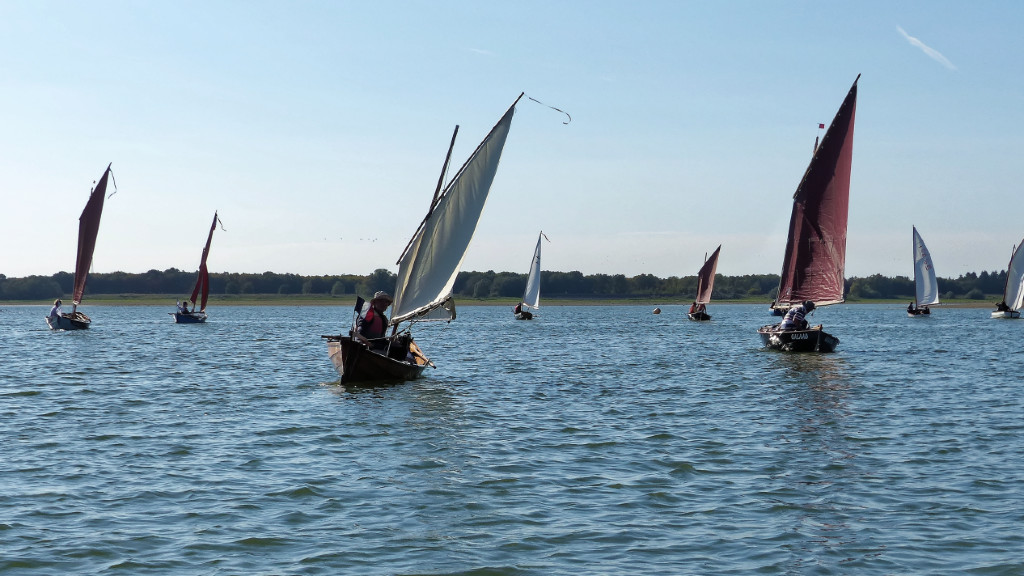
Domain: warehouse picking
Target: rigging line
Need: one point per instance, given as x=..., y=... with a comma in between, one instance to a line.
x=553, y=108
x=114, y=180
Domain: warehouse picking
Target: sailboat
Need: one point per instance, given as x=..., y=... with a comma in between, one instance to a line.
x=427, y=269
x=202, y=287
x=531, y=296
x=1013, y=292
x=88, y=229
x=926, y=287
x=705, y=284
x=815, y=258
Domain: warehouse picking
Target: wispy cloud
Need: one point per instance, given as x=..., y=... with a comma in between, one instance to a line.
x=928, y=50
x=482, y=52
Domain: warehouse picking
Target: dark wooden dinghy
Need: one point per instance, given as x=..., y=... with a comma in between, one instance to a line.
x=427, y=269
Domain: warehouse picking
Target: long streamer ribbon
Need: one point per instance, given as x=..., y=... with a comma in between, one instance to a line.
x=553, y=108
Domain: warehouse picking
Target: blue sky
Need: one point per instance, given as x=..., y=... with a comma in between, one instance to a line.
x=318, y=129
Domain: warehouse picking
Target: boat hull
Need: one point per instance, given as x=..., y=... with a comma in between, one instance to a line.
x=810, y=340
x=524, y=315
x=357, y=363
x=1007, y=314
x=919, y=312
x=73, y=321
x=188, y=318
x=698, y=316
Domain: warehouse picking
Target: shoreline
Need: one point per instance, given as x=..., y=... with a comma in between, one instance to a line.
x=348, y=300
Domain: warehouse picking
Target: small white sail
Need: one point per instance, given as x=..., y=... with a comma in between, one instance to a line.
x=531, y=297
x=427, y=270
x=924, y=273
x=1013, y=294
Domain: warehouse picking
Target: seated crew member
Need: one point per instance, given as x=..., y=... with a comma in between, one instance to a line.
x=794, y=319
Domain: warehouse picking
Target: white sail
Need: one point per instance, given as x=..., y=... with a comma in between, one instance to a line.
x=924, y=273
x=531, y=297
x=428, y=269
x=1013, y=294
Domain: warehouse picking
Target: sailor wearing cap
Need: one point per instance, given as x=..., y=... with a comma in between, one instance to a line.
x=374, y=323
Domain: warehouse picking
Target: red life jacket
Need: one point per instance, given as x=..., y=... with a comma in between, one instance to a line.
x=373, y=324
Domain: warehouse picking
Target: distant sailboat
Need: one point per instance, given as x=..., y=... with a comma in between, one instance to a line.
x=531, y=296
x=815, y=258
x=201, y=289
x=926, y=287
x=1013, y=291
x=427, y=269
x=88, y=229
x=705, y=284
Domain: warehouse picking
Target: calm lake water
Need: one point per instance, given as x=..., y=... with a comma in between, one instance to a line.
x=593, y=440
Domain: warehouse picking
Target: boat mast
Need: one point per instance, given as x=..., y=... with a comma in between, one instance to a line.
x=444, y=170
x=437, y=192
x=700, y=277
x=917, y=304
x=1006, y=285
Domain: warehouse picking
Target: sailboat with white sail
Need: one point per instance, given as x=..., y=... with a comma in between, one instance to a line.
x=705, y=284
x=201, y=291
x=531, y=295
x=1013, y=291
x=88, y=230
x=426, y=270
x=815, y=257
x=926, y=286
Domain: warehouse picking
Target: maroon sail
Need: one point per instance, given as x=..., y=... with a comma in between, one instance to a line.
x=815, y=256
x=706, y=278
x=88, y=228
x=203, y=281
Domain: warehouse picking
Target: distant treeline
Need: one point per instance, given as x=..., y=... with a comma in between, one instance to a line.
x=482, y=285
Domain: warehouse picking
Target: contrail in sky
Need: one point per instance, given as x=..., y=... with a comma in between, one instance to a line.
x=931, y=52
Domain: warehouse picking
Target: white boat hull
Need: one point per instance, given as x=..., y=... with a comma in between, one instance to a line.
x=73, y=321
x=1006, y=314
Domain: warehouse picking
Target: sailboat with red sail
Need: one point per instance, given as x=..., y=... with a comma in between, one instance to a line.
x=705, y=284
x=184, y=315
x=815, y=258
x=88, y=229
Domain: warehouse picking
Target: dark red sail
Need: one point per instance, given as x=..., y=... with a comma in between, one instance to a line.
x=815, y=256
x=203, y=281
x=706, y=278
x=88, y=229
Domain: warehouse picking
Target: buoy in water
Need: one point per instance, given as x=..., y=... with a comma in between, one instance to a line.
x=657, y=310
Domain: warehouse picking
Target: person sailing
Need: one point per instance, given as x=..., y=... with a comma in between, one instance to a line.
x=374, y=323
x=56, y=311
x=794, y=319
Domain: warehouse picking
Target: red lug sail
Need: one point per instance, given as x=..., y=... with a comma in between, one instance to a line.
x=88, y=229
x=815, y=257
x=203, y=281
x=706, y=278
